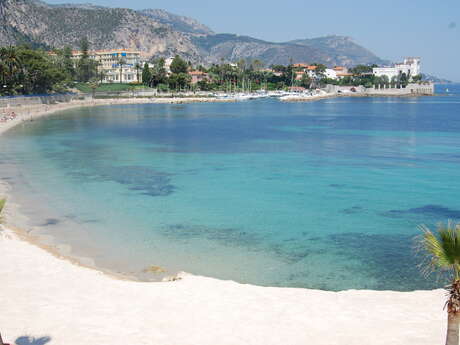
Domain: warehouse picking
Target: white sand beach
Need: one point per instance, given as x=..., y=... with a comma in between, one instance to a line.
x=44, y=295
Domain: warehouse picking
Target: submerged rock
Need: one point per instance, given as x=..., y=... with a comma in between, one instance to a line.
x=154, y=269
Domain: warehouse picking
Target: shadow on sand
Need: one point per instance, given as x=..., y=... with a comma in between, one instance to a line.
x=26, y=340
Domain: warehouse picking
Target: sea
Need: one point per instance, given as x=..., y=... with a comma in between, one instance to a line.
x=323, y=195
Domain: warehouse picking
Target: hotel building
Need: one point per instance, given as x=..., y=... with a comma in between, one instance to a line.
x=116, y=65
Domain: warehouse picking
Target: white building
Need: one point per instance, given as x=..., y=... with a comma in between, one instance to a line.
x=116, y=65
x=410, y=67
x=168, y=62
x=330, y=73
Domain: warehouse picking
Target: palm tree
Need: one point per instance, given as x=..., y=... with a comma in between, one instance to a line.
x=442, y=251
x=10, y=64
x=137, y=66
x=121, y=63
x=93, y=85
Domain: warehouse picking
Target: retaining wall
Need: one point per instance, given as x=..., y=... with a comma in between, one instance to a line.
x=14, y=101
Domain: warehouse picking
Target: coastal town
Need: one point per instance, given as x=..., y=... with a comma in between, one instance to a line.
x=125, y=73
x=123, y=66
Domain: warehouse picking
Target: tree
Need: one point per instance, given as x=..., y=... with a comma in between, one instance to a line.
x=278, y=68
x=204, y=85
x=68, y=63
x=26, y=71
x=257, y=64
x=38, y=73
x=121, y=63
x=158, y=73
x=10, y=65
x=361, y=69
x=84, y=47
x=305, y=81
x=86, y=68
x=137, y=66
x=442, y=252
x=93, y=85
x=179, y=81
x=417, y=78
x=146, y=75
x=403, y=79
x=178, y=65
x=320, y=70
x=102, y=74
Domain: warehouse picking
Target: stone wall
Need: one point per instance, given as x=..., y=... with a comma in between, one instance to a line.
x=411, y=89
x=15, y=101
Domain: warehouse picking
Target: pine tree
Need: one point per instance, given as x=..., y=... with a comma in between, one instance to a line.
x=146, y=74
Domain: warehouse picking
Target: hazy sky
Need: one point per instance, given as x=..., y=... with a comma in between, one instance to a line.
x=391, y=29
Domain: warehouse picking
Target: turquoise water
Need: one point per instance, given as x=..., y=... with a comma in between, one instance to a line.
x=324, y=194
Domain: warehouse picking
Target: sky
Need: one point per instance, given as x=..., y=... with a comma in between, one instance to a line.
x=391, y=29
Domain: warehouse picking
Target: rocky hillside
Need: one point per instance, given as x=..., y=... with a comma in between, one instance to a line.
x=160, y=33
x=57, y=26
x=331, y=50
x=178, y=23
x=342, y=49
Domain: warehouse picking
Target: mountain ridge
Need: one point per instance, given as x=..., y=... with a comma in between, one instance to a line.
x=160, y=33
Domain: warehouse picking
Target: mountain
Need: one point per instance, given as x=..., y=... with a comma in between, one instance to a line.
x=159, y=33
x=57, y=26
x=435, y=79
x=343, y=50
x=330, y=50
x=178, y=23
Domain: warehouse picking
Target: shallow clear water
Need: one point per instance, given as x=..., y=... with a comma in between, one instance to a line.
x=325, y=194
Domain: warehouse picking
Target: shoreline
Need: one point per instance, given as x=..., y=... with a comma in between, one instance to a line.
x=32, y=112
x=193, y=309
x=294, y=99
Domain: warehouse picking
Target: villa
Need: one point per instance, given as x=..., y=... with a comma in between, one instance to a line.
x=115, y=65
x=198, y=76
x=410, y=68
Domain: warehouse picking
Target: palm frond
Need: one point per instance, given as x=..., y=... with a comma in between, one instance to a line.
x=2, y=205
x=442, y=248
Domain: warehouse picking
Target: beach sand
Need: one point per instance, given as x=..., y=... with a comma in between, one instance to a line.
x=44, y=295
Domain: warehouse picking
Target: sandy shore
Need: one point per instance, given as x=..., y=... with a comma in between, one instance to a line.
x=43, y=295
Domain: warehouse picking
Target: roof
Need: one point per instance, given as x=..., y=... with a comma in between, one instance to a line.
x=296, y=65
x=312, y=68
x=344, y=74
x=197, y=73
x=110, y=51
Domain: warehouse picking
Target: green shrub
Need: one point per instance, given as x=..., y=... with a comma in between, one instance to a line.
x=114, y=87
